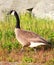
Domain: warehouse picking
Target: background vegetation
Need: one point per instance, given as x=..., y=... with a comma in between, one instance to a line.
x=10, y=47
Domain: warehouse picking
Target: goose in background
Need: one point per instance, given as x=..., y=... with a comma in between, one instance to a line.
x=27, y=38
x=30, y=9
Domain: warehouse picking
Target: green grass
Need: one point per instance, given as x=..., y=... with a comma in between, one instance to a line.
x=8, y=42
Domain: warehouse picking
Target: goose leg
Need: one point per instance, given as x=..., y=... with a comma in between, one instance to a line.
x=35, y=50
x=22, y=49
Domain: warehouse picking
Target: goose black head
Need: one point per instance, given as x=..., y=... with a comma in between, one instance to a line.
x=12, y=12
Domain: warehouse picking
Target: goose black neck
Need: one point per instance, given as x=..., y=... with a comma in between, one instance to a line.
x=17, y=20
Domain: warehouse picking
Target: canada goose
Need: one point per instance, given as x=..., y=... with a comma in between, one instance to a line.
x=30, y=9
x=27, y=38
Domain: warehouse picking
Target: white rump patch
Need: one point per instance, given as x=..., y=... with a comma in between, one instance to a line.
x=13, y=13
x=35, y=44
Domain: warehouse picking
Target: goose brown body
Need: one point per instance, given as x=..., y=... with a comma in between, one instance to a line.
x=26, y=37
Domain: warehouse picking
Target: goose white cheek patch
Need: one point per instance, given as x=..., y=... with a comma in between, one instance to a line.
x=13, y=13
x=35, y=44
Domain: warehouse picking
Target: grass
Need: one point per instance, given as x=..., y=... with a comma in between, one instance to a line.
x=10, y=47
